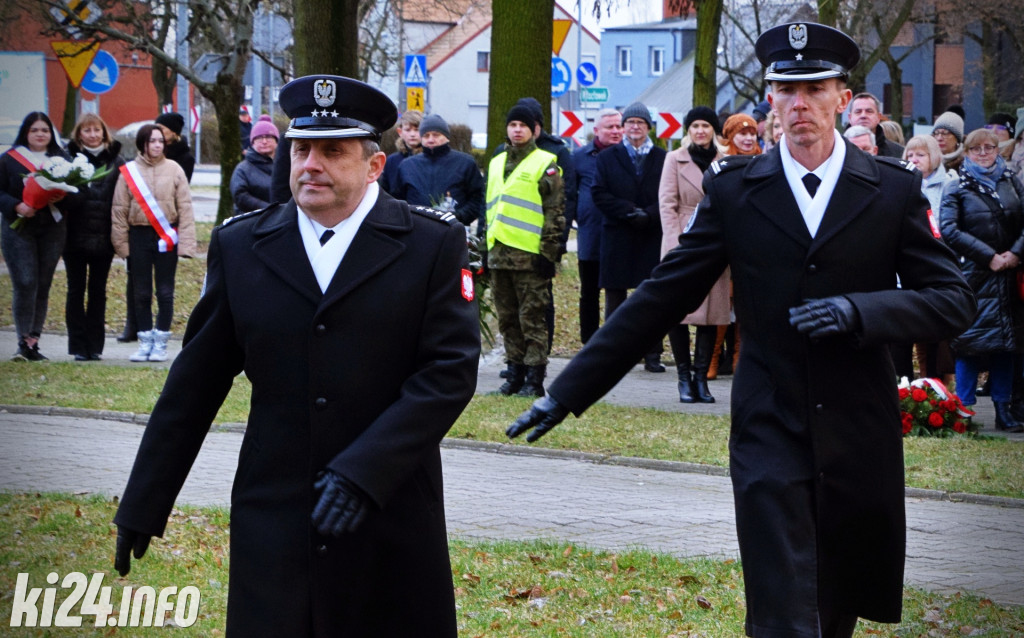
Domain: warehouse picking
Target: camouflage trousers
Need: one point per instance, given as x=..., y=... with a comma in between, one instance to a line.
x=520, y=300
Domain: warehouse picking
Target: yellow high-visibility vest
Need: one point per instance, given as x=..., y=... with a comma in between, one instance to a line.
x=515, y=216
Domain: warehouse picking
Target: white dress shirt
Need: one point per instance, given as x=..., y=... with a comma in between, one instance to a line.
x=326, y=259
x=813, y=209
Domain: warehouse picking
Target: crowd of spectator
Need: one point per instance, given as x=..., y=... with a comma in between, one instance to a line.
x=627, y=198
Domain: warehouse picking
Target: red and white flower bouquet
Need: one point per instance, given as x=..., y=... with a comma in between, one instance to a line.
x=928, y=408
x=57, y=176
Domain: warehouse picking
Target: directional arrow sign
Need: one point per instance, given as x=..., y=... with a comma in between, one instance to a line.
x=561, y=77
x=570, y=124
x=586, y=74
x=669, y=125
x=102, y=74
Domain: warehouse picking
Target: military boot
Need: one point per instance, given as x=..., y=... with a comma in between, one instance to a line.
x=515, y=379
x=534, y=386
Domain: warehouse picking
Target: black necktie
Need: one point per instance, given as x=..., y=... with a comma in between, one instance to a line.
x=326, y=236
x=811, y=183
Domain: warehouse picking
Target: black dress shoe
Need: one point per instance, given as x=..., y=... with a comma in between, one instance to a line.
x=81, y=357
x=95, y=357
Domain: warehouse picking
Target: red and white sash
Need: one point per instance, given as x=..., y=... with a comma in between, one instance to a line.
x=147, y=201
x=21, y=159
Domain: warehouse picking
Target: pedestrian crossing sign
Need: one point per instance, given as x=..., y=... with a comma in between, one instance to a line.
x=415, y=70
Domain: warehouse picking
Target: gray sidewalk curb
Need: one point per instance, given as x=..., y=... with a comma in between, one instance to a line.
x=522, y=450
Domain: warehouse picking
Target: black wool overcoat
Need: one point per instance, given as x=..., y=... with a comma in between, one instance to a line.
x=628, y=254
x=816, y=453
x=365, y=379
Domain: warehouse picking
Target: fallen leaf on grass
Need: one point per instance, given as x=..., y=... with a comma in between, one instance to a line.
x=567, y=552
x=703, y=602
x=536, y=559
x=473, y=578
x=78, y=512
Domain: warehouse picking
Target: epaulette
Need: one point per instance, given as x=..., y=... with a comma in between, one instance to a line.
x=436, y=215
x=232, y=220
x=898, y=163
x=730, y=163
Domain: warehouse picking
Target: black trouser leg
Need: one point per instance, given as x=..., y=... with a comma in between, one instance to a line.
x=590, y=298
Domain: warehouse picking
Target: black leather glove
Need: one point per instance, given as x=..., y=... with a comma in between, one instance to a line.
x=826, y=317
x=638, y=219
x=545, y=413
x=544, y=267
x=342, y=505
x=129, y=541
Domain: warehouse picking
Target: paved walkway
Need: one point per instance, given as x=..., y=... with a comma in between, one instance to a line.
x=951, y=546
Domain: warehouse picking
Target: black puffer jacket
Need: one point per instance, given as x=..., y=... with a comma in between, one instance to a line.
x=89, y=222
x=977, y=227
x=250, y=183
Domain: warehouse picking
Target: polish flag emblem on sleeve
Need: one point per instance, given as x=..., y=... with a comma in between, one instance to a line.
x=467, y=285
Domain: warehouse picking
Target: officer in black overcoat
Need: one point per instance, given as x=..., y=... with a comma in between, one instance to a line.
x=816, y=233
x=353, y=316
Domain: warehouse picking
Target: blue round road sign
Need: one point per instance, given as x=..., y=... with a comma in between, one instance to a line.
x=586, y=74
x=561, y=77
x=102, y=73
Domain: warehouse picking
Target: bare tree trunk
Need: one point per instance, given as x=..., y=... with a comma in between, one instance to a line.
x=895, y=87
x=164, y=80
x=520, y=60
x=828, y=12
x=327, y=37
x=70, y=110
x=705, y=65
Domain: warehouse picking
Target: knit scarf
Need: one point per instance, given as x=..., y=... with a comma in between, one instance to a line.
x=702, y=156
x=982, y=179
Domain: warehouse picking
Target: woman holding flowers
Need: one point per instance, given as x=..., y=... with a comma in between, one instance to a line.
x=152, y=225
x=32, y=235
x=88, y=251
x=982, y=220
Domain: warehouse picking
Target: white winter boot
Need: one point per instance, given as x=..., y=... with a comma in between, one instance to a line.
x=145, y=346
x=159, y=352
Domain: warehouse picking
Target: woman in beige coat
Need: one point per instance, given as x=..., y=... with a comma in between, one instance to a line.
x=152, y=225
x=679, y=193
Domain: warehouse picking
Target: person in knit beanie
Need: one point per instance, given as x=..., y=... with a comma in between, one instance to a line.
x=948, y=131
x=434, y=123
x=176, y=147
x=250, y=183
x=264, y=126
x=1003, y=124
x=740, y=133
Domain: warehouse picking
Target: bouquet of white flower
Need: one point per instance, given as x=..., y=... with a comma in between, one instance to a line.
x=55, y=177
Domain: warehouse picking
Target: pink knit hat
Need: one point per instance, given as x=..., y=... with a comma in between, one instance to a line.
x=263, y=126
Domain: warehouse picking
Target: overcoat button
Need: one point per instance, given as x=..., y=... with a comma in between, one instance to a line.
x=812, y=269
x=320, y=330
x=320, y=403
x=321, y=549
x=819, y=408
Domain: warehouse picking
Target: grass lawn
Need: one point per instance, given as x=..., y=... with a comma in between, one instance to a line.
x=502, y=589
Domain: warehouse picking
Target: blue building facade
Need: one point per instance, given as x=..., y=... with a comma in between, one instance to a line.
x=632, y=57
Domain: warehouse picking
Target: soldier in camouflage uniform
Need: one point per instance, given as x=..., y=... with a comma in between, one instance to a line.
x=525, y=226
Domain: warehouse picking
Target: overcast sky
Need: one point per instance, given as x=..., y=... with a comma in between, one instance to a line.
x=631, y=12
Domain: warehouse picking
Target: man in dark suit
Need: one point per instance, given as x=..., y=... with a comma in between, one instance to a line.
x=816, y=233
x=352, y=315
x=625, y=190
